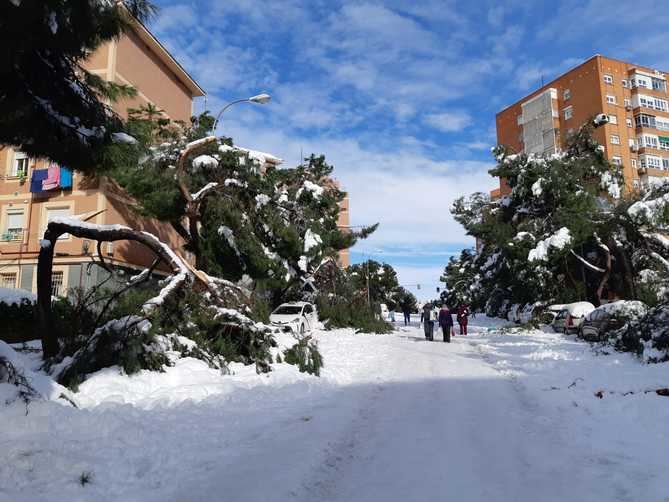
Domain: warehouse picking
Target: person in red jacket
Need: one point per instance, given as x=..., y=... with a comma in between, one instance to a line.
x=463, y=317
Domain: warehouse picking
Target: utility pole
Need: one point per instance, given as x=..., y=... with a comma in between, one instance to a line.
x=369, y=299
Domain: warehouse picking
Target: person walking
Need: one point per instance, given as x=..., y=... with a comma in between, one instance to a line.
x=428, y=323
x=407, y=315
x=446, y=323
x=463, y=318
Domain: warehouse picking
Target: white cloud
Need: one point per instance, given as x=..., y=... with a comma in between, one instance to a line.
x=449, y=121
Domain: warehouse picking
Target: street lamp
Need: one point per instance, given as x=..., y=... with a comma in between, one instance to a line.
x=259, y=99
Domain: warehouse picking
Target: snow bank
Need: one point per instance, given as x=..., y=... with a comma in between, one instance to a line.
x=12, y=296
x=25, y=366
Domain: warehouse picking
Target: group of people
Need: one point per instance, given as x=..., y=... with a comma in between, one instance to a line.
x=444, y=317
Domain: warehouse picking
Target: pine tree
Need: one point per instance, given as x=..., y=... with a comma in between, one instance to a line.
x=50, y=106
x=273, y=226
x=567, y=231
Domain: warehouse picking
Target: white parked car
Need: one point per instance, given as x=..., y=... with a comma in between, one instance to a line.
x=385, y=314
x=570, y=318
x=298, y=317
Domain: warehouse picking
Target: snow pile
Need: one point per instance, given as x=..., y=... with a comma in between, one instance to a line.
x=205, y=161
x=625, y=308
x=649, y=210
x=121, y=137
x=27, y=371
x=610, y=184
x=229, y=235
x=262, y=199
x=559, y=240
x=647, y=336
x=311, y=187
x=537, y=189
x=12, y=296
x=311, y=240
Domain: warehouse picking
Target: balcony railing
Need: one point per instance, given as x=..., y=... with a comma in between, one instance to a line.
x=11, y=235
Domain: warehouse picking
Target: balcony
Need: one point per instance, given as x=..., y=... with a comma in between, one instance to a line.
x=12, y=235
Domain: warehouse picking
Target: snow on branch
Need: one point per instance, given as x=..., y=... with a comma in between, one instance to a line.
x=587, y=263
x=204, y=191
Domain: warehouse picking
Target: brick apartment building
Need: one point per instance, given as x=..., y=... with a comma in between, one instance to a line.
x=27, y=203
x=634, y=97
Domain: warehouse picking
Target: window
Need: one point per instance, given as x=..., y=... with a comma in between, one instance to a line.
x=615, y=139
x=659, y=84
x=610, y=99
x=57, y=283
x=644, y=120
x=652, y=102
x=8, y=280
x=634, y=163
x=651, y=161
x=648, y=140
x=613, y=119
x=608, y=79
x=566, y=94
x=628, y=102
x=665, y=164
x=14, y=227
x=19, y=165
x=568, y=112
x=663, y=142
x=617, y=160
x=629, y=122
x=56, y=212
x=625, y=83
x=662, y=124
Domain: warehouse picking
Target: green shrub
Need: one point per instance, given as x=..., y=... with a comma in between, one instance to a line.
x=305, y=355
x=17, y=321
x=647, y=337
x=357, y=314
x=127, y=342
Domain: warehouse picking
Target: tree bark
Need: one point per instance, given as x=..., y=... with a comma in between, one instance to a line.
x=192, y=205
x=605, y=278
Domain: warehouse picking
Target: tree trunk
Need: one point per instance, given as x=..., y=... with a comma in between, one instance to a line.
x=605, y=278
x=100, y=233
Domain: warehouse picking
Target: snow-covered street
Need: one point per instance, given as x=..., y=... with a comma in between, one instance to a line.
x=509, y=416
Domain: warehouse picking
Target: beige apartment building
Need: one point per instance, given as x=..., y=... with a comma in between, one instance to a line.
x=137, y=59
x=27, y=204
x=634, y=98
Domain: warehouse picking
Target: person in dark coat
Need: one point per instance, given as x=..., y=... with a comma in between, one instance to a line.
x=463, y=318
x=446, y=323
x=407, y=315
x=428, y=323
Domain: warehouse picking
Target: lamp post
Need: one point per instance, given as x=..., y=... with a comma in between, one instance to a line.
x=259, y=99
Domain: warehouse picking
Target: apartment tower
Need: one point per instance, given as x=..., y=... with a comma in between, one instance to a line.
x=634, y=98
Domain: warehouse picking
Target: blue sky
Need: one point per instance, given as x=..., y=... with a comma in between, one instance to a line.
x=400, y=96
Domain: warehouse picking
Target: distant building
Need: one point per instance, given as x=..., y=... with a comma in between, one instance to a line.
x=634, y=98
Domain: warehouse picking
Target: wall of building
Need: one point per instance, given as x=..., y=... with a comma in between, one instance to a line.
x=128, y=61
x=581, y=94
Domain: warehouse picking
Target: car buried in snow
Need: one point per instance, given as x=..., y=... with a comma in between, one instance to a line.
x=569, y=319
x=610, y=317
x=295, y=317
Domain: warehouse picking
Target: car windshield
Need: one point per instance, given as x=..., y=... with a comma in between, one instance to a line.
x=288, y=310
